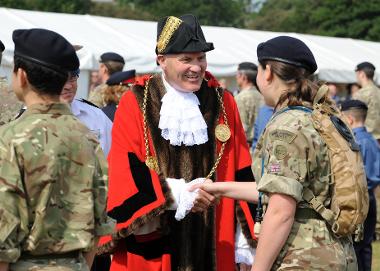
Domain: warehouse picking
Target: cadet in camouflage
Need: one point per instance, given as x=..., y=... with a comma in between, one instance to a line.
x=370, y=95
x=249, y=100
x=289, y=156
x=9, y=105
x=53, y=173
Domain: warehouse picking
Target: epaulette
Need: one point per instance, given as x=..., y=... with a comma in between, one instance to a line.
x=87, y=102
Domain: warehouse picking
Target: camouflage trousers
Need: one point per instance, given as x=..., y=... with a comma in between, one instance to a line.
x=311, y=246
x=61, y=264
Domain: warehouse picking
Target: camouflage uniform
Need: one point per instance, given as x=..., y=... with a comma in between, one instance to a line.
x=53, y=190
x=370, y=95
x=294, y=157
x=96, y=95
x=249, y=102
x=9, y=104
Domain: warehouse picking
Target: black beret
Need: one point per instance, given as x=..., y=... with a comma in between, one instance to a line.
x=181, y=35
x=365, y=65
x=247, y=66
x=121, y=78
x=110, y=56
x=288, y=50
x=353, y=104
x=2, y=47
x=46, y=48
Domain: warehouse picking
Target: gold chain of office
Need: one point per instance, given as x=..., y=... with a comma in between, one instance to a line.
x=222, y=133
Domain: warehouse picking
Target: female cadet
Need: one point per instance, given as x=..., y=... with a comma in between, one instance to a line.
x=289, y=156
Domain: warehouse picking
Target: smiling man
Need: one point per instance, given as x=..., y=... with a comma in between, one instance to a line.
x=172, y=130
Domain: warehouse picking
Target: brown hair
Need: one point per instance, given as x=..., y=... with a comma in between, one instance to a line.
x=113, y=66
x=112, y=94
x=302, y=89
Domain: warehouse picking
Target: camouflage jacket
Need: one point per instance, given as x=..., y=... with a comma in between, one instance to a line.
x=54, y=183
x=249, y=102
x=295, y=156
x=370, y=95
x=9, y=104
x=96, y=95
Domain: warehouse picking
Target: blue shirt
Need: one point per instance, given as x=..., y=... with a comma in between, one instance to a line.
x=370, y=151
x=265, y=113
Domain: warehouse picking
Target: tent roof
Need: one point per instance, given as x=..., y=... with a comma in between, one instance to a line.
x=135, y=41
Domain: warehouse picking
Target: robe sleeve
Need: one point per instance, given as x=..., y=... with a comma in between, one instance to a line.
x=136, y=194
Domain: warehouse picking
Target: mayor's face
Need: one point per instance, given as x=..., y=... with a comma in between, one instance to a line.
x=69, y=90
x=184, y=72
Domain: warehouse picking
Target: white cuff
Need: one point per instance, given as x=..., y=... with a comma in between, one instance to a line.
x=176, y=186
x=243, y=252
x=183, y=198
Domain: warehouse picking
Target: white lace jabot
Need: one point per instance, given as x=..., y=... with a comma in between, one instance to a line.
x=181, y=121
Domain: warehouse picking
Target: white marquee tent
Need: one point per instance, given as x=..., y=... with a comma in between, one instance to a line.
x=135, y=41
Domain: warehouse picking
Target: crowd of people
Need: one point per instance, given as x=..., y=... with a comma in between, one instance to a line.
x=170, y=171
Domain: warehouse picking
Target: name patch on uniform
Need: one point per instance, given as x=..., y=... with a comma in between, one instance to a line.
x=275, y=168
x=282, y=135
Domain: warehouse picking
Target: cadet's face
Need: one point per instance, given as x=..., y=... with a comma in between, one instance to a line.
x=264, y=83
x=185, y=71
x=69, y=90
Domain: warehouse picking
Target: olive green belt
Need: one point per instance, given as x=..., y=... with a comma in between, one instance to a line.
x=307, y=213
x=70, y=254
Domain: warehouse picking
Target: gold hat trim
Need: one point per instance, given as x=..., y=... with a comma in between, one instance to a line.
x=171, y=25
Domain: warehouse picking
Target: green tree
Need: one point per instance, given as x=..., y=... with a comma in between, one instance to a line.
x=65, y=6
x=209, y=12
x=339, y=18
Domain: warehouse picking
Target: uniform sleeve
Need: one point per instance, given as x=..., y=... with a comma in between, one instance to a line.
x=136, y=193
x=285, y=160
x=244, y=114
x=13, y=208
x=103, y=224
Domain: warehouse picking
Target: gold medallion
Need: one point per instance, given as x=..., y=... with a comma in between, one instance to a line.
x=222, y=132
x=152, y=163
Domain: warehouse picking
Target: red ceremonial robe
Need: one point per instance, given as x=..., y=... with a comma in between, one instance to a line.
x=138, y=194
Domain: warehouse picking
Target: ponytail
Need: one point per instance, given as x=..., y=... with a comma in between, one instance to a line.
x=302, y=89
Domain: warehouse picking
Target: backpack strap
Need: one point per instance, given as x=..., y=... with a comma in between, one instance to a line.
x=321, y=93
x=318, y=206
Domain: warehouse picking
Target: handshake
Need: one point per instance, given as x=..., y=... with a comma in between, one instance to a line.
x=200, y=194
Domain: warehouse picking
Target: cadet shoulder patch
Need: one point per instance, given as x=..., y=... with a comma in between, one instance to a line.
x=282, y=135
x=280, y=151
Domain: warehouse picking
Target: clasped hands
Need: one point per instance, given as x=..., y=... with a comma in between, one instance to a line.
x=206, y=196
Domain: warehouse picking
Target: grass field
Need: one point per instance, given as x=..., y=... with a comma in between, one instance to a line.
x=376, y=256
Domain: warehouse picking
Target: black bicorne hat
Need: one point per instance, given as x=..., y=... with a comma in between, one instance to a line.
x=181, y=35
